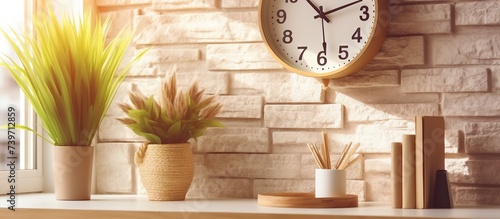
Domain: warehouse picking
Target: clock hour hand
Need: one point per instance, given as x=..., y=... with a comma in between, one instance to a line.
x=338, y=9
x=320, y=13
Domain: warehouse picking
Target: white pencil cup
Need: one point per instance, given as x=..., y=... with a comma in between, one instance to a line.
x=330, y=183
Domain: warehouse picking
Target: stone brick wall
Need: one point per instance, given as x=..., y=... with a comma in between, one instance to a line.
x=440, y=58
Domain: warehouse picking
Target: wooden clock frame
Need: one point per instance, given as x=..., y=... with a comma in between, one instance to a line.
x=377, y=37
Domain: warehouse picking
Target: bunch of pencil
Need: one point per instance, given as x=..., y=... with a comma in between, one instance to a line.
x=322, y=155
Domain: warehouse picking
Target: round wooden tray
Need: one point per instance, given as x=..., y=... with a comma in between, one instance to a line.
x=306, y=200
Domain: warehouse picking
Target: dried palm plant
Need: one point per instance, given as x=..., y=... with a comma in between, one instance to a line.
x=176, y=118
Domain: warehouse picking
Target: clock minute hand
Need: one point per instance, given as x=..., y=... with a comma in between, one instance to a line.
x=339, y=8
x=320, y=13
x=323, y=30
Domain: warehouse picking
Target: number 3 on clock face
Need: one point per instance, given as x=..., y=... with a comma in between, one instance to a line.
x=323, y=38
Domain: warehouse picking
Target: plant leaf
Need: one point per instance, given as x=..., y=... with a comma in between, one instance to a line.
x=22, y=127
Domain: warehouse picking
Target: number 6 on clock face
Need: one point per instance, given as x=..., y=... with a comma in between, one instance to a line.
x=323, y=38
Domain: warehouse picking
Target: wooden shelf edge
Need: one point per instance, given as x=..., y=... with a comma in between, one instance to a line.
x=99, y=214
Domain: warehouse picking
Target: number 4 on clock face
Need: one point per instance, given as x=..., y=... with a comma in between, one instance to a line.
x=322, y=38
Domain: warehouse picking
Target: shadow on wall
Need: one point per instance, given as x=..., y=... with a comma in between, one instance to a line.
x=382, y=114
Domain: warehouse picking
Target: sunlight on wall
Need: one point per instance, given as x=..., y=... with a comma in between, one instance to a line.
x=74, y=7
x=11, y=15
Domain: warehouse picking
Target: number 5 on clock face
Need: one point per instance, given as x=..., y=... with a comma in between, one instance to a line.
x=322, y=38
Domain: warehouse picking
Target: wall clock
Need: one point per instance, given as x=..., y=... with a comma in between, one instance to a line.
x=323, y=38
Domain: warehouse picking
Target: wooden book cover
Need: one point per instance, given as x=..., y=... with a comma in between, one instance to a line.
x=408, y=172
x=429, y=157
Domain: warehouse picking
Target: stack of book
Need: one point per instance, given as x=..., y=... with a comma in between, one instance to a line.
x=415, y=162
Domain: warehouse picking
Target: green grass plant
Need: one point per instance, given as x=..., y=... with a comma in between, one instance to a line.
x=70, y=72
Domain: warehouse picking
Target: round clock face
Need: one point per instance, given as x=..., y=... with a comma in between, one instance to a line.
x=319, y=38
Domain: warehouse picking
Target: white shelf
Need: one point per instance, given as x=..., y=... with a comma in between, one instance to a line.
x=130, y=206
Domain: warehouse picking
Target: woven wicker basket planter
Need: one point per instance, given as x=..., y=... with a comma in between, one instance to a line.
x=166, y=170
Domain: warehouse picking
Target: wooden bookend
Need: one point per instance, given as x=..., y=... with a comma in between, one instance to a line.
x=397, y=174
x=442, y=194
x=429, y=157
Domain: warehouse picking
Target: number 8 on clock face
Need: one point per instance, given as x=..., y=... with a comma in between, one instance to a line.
x=323, y=38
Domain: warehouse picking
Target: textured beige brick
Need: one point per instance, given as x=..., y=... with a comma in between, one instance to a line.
x=378, y=112
x=239, y=3
x=103, y=3
x=114, y=167
x=115, y=179
x=401, y=51
x=378, y=179
x=357, y=187
x=248, y=56
x=146, y=61
x=286, y=142
x=262, y=186
x=445, y=80
x=355, y=171
x=183, y=4
x=144, y=71
x=453, y=142
x=205, y=188
x=479, y=47
x=200, y=169
x=278, y=87
x=378, y=187
x=469, y=104
x=114, y=153
x=241, y=106
x=119, y=20
x=378, y=166
x=378, y=95
x=482, y=137
x=294, y=142
x=302, y=138
x=495, y=78
x=376, y=137
x=232, y=139
x=304, y=116
x=170, y=55
x=421, y=19
x=254, y=123
x=367, y=79
x=477, y=13
x=112, y=130
x=197, y=28
x=254, y=165
x=211, y=82
x=164, y=60
x=476, y=196
x=464, y=170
